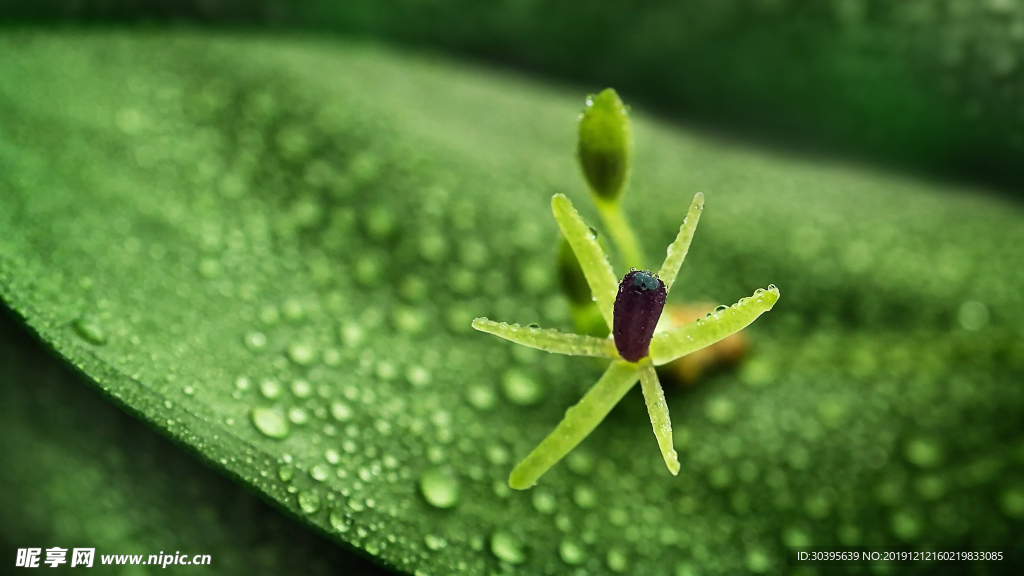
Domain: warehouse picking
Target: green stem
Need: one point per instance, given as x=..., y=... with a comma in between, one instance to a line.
x=621, y=232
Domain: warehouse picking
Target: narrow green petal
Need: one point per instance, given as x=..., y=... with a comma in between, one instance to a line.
x=667, y=346
x=579, y=421
x=592, y=259
x=654, y=396
x=549, y=340
x=681, y=245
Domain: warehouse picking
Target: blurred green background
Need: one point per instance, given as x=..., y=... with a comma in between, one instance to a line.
x=932, y=89
x=930, y=85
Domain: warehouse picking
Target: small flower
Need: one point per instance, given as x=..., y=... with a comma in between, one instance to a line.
x=631, y=308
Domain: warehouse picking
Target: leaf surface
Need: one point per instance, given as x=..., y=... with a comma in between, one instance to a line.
x=272, y=249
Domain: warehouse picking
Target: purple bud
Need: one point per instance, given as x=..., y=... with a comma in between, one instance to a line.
x=638, y=307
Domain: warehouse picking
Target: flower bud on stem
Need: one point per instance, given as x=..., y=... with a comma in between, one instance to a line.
x=605, y=149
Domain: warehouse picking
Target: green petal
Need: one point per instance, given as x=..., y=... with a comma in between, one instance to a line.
x=668, y=346
x=654, y=397
x=591, y=257
x=681, y=245
x=579, y=421
x=549, y=340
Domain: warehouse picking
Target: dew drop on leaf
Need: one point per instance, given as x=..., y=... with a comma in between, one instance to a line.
x=507, y=547
x=285, y=472
x=418, y=376
x=1012, y=502
x=256, y=341
x=923, y=452
x=302, y=354
x=270, y=421
x=309, y=501
x=481, y=396
x=301, y=389
x=434, y=542
x=584, y=496
x=297, y=415
x=758, y=561
x=520, y=388
x=571, y=553
x=337, y=520
x=720, y=410
x=340, y=411
x=617, y=560
x=543, y=501
x=270, y=389
x=439, y=488
x=319, y=472
x=89, y=330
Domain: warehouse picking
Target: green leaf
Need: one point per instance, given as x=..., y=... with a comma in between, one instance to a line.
x=271, y=251
x=78, y=472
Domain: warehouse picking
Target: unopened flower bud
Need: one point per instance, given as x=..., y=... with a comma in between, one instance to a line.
x=605, y=144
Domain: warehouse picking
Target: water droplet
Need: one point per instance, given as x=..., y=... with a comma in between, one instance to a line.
x=368, y=271
x=905, y=525
x=571, y=553
x=617, y=560
x=269, y=315
x=758, y=561
x=256, y=341
x=418, y=376
x=319, y=472
x=433, y=247
x=580, y=461
x=520, y=388
x=796, y=537
x=188, y=390
x=543, y=501
x=270, y=389
x=439, y=488
x=720, y=477
x=351, y=334
x=209, y=268
x=285, y=472
x=818, y=506
x=923, y=452
x=849, y=535
x=340, y=411
x=1011, y=501
x=242, y=383
x=584, y=496
x=434, y=542
x=270, y=421
x=337, y=520
x=309, y=501
x=931, y=487
x=89, y=330
x=720, y=410
x=497, y=454
x=481, y=396
x=380, y=223
x=408, y=320
x=386, y=370
x=302, y=388
x=301, y=354
x=507, y=547
x=293, y=310
x=297, y=415
x=973, y=315
x=685, y=569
